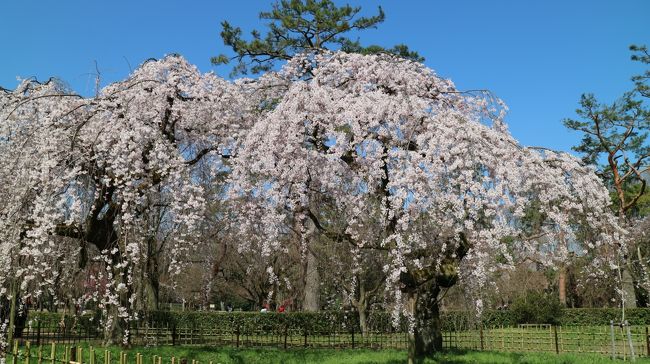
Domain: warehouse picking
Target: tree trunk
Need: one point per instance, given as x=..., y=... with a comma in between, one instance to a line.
x=562, y=285
x=311, y=301
x=363, y=321
x=425, y=337
x=628, y=286
x=152, y=280
x=312, y=284
x=152, y=292
x=114, y=332
x=360, y=303
x=12, y=313
x=361, y=308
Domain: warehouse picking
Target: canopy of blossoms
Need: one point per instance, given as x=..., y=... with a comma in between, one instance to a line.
x=407, y=162
x=413, y=166
x=80, y=176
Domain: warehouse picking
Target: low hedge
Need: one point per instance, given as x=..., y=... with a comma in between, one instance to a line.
x=326, y=321
x=460, y=320
x=567, y=317
x=335, y=321
x=84, y=322
x=603, y=316
x=243, y=322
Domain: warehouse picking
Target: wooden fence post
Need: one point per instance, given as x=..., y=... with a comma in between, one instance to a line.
x=647, y=342
x=352, y=336
x=73, y=355
x=481, y=336
x=503, y=339
x=28, y=351
x=53, y=354
x=305, y=332
x=38, y=332
x=629, y=340
x=557, y=345
x=14, y=359
x=611, y=327
x=286, y=332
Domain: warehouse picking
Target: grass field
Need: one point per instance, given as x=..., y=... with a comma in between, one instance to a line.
x=523, y=344
x=544, y=338
x=205, y=355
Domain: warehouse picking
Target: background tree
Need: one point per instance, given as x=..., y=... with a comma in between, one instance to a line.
x=615, y=137
x=297, y=26
x=640, y=54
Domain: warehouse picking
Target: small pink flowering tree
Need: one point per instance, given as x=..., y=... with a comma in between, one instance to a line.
x=415, y=168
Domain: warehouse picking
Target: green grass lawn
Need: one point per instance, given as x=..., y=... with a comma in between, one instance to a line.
x=484, y=357
x=538, y=338
x=207, y=355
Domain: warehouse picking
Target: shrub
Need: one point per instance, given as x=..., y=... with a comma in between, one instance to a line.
x=531, y=308
x=537, y=308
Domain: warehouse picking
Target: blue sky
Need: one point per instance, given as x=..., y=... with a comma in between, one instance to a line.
x=538, y=56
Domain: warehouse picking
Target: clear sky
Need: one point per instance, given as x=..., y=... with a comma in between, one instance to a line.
x=538, y=56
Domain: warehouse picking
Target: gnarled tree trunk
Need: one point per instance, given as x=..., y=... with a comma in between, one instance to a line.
x=311, y=303
x=311, y=300
x=425, y=337
x=421, y=288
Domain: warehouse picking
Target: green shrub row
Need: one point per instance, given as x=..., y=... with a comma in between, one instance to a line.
x=342, y=321
x=603, y=316
x=565, y=317
x=52, y=319
x=328, y=321
x=244, y=322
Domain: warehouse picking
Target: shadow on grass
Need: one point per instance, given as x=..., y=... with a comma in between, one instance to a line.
x=260, y=355
x=459, y=356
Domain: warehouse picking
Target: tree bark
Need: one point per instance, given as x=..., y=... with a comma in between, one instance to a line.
x=151, y=293
x=114, y=333
x=363, y=320
x=628, y=285
x=361, y=304
x=311, y=303
x=425, y=337
x=12, y=313
x=562, y=285
x=152, y=280
x=311, y=278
